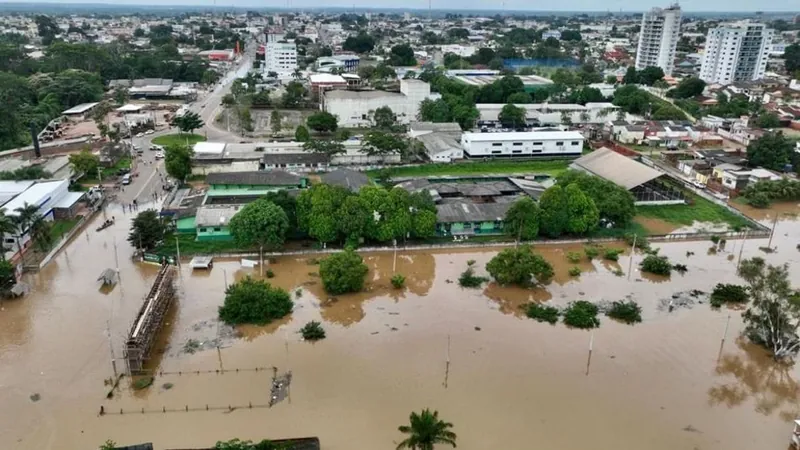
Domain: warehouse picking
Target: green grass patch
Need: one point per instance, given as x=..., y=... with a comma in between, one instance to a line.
x=107, y=172
x=61, y=227
x=701, y=211
x=551, y=167
x=178, y=138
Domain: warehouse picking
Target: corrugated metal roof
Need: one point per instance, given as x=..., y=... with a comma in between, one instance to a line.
x=216, y=215
x=612, y=166
x=471, y=212
x=264, y=178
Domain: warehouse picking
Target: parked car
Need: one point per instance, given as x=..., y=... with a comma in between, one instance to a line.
x=138, y=135
x=159, y=155
x=156, y=148
x=698, y=184
x=126, y=179
x=149, y=132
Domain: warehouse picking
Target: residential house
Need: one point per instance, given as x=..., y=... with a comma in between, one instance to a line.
x=346, y=178
x=212, y=222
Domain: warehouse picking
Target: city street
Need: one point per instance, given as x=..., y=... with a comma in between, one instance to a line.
x=150, y=172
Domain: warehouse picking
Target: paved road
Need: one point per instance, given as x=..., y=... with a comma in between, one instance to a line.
x=150, y=171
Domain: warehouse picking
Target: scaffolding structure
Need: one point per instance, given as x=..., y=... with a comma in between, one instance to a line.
x=149, y=320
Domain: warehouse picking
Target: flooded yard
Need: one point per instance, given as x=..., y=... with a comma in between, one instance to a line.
x=666, y=383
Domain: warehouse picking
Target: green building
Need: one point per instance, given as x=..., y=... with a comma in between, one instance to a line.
x=244, y=187
x=212, y=222
x=472, y=219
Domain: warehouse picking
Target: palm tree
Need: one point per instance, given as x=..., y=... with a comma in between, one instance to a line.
x=297, y=74
x=40, y=233
x=426, y=430
x=26, y=215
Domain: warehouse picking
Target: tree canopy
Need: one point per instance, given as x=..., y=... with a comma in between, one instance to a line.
x=188, y=122
x=360, y=43
x=520, y=266
x=343, y=272
x=178, y=161
x=512, y=116
x=771, y=151
x=522, y=219
x=322, y=122
x=687, y=88
x=260, y=223
x=402, y=55
x=614, y=203
x=147, y=230
x=425, y=430
x=254, y=301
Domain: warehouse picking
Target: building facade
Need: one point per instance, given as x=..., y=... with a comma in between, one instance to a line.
x=736, y=53
x=280, y=55
x=658, y=38
x=524, y=144
x=354, y=108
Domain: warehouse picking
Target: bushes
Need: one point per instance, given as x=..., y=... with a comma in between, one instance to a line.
x=313, y=331
x=398, y=281
x=728, y=293
x=574, y=257
x=641, y=241
x=542, y=313
x=574, y=271
x=591, y=251
x=254, y=301
x=582, y=314
x=520, y=266
x=343, y=272
x=680, y=268
x=658, y=265
x=468, y=279
x=612, y=254
x=625, y=311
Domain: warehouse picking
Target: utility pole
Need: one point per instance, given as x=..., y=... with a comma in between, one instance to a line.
x=116, y=256
x=772, y=231
x=177, y=252
x=741, y=249
x=633, y=252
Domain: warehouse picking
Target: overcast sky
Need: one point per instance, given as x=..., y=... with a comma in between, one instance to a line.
x=561, y=5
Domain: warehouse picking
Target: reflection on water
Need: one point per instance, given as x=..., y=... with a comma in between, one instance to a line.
x=758, y=378
x=385, y=354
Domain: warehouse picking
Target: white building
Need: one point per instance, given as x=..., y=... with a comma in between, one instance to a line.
x=658, y=38
x=522, y=144
x=736, y=52
x=554, y=113
x=355, y=108
x=464, y=51
x=280, y=56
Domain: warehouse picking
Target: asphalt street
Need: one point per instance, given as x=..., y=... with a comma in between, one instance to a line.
x=149, y=171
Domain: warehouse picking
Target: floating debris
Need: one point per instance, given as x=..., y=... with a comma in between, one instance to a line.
x=280, y=387
x=35, y=397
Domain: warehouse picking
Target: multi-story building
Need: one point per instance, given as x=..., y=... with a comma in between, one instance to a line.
x=658, y=38
x=280, y=56
x=736, y=52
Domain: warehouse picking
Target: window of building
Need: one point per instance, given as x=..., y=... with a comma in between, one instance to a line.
x=576, y=143
x=495, y=152
x=517, y=144
x=537, y=151
x=497, y=144
x=559, y=143
x=217, y=229
x=202, y=230
x=516, y=151
x=538, y=143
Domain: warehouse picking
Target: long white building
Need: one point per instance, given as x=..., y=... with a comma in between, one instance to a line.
x=355, y=108
x=525, y=144
x=658, y=38
x=736, y=52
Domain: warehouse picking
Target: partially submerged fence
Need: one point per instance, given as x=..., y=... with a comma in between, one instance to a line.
x=149, y=320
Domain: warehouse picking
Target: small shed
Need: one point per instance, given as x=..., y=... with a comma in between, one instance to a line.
x=202, y=262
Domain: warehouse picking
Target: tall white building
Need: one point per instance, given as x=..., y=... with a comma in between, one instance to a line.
x=658, y=38
x=280, y=55
x=736, y=52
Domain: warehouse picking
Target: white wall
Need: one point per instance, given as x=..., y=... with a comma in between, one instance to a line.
x=534, y=147
x=355, y=110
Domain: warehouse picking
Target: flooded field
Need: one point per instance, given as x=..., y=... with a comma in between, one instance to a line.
x=664, y=384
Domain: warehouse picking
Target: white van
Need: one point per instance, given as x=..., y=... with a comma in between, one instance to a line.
x=126, y=179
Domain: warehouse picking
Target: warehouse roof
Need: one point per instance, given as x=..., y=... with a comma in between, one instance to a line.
x=80, y=109
x=612, y=166
x=346, y=178
x=471, y=212
x=261, y=178
x=215, y=215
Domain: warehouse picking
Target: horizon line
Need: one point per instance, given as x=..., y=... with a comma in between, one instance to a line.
x=31, y=5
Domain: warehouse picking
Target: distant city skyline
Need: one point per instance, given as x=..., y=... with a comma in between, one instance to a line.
x=722, y=6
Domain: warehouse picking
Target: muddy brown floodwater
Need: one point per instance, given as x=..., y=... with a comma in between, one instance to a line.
x=512, y=382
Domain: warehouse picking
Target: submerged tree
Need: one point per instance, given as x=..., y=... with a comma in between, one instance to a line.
x=773, y=317
x=426, y=430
